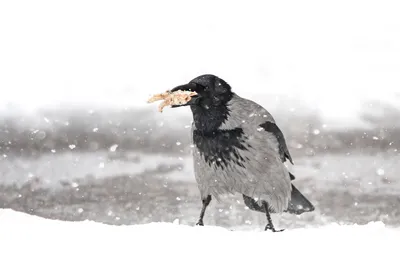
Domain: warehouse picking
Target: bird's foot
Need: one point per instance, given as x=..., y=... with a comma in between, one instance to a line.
x=272, y=228
x=200, y=223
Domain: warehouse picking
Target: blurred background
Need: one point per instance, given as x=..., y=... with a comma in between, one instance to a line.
x=78, y=140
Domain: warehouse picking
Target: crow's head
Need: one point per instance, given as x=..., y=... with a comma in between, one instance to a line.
x=210, y=105
x=211, y=91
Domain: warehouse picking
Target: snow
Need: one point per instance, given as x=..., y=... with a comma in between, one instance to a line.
x=319, y=53
x=67, y=166
x=29, y=240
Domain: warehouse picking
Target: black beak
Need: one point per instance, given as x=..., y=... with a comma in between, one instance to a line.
x=191, y=87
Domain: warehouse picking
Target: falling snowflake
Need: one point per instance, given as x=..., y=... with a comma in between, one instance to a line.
x=380, y=171
x=113, y=148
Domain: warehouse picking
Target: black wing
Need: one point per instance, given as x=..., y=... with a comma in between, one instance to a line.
x=283, y=150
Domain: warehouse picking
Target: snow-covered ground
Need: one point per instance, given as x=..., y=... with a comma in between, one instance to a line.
x=143, y=188
x=27, y=240
x=52, y=169
x=363, y=172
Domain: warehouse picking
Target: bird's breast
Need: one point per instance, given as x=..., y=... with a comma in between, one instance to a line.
x=221, y=148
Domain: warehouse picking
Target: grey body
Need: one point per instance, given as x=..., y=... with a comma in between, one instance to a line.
x=263, y=177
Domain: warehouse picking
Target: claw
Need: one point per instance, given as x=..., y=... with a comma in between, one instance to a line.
x=272, y=228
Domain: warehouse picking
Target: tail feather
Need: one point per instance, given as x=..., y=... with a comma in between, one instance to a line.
x=299, y=203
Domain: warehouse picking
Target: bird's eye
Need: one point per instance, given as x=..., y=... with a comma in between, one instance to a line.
x=200, y=88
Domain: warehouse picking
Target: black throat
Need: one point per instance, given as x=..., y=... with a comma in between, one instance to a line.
x=209, y=116
x=217, y=147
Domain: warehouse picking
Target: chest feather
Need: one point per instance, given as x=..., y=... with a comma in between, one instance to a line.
x=222, y=147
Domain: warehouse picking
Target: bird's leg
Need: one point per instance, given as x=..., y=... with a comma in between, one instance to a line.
x=206, y=202
x=252, y=204
x=270, y=225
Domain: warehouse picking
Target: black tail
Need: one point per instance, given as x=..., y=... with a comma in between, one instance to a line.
x=297, y=205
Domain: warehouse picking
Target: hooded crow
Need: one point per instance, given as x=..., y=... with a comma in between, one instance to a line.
x=238, y=148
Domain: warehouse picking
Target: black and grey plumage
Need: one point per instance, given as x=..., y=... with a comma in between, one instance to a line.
x=238, y=148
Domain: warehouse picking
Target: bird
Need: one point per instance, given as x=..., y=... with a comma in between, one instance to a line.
x=238, y=148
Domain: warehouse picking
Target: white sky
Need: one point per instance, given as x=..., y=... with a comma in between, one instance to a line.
x=330, y=53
